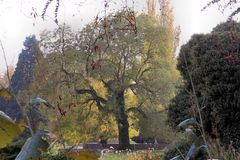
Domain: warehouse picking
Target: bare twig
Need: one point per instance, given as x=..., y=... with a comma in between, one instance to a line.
x=5, y=59
x=198, y=107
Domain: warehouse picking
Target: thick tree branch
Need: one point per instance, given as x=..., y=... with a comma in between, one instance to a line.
x=138, y=110
x=88, y=100
x=143, y=68
x=108, y=84
x=90, y=108
x=99, y=100
x=143, y=71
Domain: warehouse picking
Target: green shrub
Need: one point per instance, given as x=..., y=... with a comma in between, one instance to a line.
x=179, y=109
x=58, y=156
x=11, y=151
x=54, y=153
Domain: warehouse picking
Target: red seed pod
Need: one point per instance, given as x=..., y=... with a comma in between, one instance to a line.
x=71, y=104
x=230, y=58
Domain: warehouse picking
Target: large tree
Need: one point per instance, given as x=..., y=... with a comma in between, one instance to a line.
x=165, y=19
x=122, y=58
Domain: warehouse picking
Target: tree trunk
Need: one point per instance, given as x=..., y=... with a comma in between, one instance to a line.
x=122, y=120
x=123, y=135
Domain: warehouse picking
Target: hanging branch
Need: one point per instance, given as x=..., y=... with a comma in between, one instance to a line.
x=45, y=8
x=223, y=5
x=212, y=2
x=55, y=12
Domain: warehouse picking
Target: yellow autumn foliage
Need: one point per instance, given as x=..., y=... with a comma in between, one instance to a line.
x=99, y=88
x=133, y=132
x=9, y=129
x=160, y=108
x=103, y=128
x=5, y=94
x=76, y=135
x=130, y=98
x=146, y=47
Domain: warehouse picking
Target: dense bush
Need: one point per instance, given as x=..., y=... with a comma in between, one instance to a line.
x=179, y=109
x=11, y=151
x=55, y=157
x=212, y=60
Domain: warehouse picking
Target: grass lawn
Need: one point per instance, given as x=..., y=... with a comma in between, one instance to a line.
x=136, y=155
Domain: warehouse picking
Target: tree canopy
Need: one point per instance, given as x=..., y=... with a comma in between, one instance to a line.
x=108, y=62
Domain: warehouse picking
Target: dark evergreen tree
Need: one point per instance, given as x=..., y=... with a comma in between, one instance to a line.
x=22, y=77
x=24, y=70
x=213, y=62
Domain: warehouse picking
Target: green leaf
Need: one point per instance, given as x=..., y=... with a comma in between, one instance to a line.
x=8, y=129
x=33, y=147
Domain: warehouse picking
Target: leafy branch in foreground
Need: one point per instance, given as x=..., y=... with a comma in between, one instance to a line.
x=9, y=129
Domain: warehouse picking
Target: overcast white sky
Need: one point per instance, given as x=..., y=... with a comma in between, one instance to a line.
x=16, y=22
